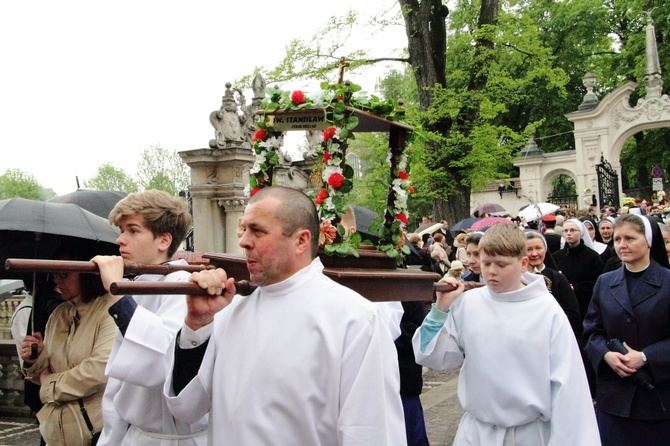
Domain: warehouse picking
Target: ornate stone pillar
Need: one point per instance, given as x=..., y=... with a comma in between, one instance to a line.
x=218, y=178
x=233, y=208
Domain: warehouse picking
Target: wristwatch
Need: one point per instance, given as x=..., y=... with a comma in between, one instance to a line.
x=644, y=357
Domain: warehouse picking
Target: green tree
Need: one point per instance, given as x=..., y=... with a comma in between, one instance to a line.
x=489, y=72
x=163, y=169
x=16, y=183
x=109, y=177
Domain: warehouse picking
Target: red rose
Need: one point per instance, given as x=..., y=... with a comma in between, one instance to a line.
x=401, y=216
x=328, y=133
x=254, y=190
x=323, y=194
x=326, y=157
x=260, y=135
x=335, y=180
x=411, y=189
x=298, y=97
x=403, y=175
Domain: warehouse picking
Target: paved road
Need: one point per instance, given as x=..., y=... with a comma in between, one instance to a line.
x=441, y=408
x=440, y=404
x=18, y=432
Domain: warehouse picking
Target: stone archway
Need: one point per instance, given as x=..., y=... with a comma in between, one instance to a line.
x=551, y=176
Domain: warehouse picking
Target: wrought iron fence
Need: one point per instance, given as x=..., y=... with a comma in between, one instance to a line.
x=568, y=202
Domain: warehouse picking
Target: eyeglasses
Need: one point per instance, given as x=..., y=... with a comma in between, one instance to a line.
x=61, y=275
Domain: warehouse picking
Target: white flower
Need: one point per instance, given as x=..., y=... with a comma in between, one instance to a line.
x=260, y=158
x=335, y=148
x=247, y=190
x=328, y=96
x=329, y=218
x=255, y=169
x=271, y=143
x=316, y=97
x=402, y=161
x=361, y=96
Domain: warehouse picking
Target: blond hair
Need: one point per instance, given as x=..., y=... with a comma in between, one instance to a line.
x=163, y=213
x=504, y=239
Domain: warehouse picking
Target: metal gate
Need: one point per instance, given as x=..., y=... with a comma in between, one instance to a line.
x=566, y=202
x=608, y=184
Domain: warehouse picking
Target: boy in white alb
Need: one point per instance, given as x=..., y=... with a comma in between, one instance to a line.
x=153, y=224
x=522, y=381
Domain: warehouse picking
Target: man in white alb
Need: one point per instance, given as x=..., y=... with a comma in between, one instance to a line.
x=300, y=361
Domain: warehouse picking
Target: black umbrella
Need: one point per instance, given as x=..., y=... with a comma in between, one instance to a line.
x=364, y=218
x=34, y=229
x=99, y=202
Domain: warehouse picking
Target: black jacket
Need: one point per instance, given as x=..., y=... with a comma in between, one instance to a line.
x=582, y=266
x=411, y=378
x=553, y=242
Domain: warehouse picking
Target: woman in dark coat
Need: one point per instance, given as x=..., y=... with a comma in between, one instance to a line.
x=632, y=304
x=579, y=261
x=541, y=262
x=582, y=265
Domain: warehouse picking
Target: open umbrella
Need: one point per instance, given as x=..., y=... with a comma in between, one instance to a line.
x=488, y=222
x=34, y=229
x=99, y=202
x=8, y=287
x=364, y=218
x=428, y=229
x=488, y=208
x=535, y=211
x=465, y=224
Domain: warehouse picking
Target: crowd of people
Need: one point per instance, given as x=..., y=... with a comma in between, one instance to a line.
x=565, y=342
x=607, y=272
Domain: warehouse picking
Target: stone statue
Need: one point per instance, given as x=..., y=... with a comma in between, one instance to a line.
x=226, y=121
x=314, y=139
x=249, y=111
x=258, y=86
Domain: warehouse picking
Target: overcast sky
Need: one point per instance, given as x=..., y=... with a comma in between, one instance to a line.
x=84, y=83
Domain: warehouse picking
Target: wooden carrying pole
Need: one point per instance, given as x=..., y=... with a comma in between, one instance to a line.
x=368, y=284
x=74, y=266
x=244, y=288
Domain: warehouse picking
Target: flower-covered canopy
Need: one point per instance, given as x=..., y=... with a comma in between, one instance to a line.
x=338, y=109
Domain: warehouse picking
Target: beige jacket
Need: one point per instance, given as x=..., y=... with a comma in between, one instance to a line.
x=78, y=339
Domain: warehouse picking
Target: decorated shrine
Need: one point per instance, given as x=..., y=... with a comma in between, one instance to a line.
x=333, y=116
